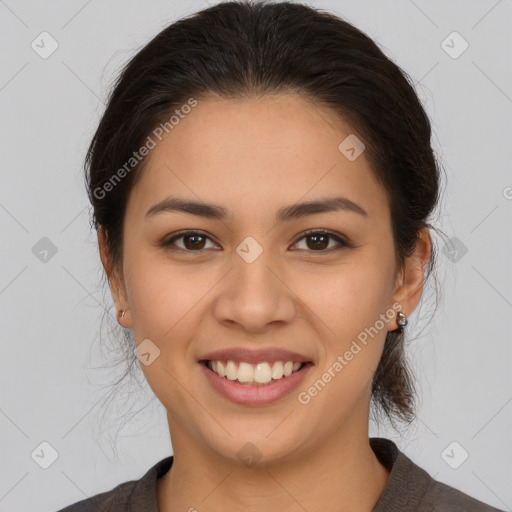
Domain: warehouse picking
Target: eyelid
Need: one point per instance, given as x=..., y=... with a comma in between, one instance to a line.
x=342, y=241
x=166, y=243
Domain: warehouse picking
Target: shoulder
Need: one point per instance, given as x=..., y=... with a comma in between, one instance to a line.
x=448, y=499
x=113, y=500
x=411, y=488
x=133, y=496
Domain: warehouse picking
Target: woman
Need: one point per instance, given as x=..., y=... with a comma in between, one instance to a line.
x=262, y=181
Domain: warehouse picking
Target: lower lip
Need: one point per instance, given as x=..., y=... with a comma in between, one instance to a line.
x=256, y=395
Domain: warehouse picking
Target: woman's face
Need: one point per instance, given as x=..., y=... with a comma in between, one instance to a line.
x=252, y=280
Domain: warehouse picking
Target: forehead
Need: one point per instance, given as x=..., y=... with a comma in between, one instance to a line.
x=273, y=149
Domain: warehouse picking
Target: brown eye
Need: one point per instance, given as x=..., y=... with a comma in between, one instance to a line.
x=193, y=241
x=318, y=241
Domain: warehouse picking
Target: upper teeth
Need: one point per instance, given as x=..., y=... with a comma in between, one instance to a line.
x=261, y=373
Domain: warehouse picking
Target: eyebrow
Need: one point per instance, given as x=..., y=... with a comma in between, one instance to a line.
x=294, y=211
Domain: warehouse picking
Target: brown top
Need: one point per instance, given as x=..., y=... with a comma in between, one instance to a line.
x=409, y=489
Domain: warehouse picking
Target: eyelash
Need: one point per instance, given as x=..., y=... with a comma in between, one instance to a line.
x=169, y=243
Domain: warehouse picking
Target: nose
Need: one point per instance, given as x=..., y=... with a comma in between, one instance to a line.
x=255, y=296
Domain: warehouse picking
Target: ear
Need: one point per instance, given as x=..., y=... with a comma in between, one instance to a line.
x=409, y=281
x=116, y=282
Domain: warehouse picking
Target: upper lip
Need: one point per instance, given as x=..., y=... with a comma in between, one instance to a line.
x=255, y=356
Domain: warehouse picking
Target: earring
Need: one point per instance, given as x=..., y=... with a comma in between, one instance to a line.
x=122, y=313
x=401, y=320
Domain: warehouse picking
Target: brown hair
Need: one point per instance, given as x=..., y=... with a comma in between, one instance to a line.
x=242, y=49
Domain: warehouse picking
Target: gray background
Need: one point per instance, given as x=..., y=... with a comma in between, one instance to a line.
x=51, y=304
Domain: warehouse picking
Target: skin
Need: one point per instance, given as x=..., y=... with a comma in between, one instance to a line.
x=254, y=156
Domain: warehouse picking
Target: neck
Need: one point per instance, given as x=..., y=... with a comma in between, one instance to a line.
x=343, y=475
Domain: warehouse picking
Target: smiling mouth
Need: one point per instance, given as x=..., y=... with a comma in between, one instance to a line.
x=260, y=374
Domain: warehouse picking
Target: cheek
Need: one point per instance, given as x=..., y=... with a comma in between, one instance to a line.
x=350, y=297
x=160, y=293
x=166, y=306
x=353, y=305
x=340, y=303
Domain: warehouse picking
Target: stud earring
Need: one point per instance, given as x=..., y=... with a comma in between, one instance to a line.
x=401, y=320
